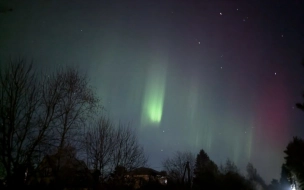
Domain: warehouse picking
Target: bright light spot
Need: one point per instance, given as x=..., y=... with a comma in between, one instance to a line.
x=275, y=73
x=199, y=42
x=162, y=150
x=292, y=187
x=237, y=9
x=282, y=35
x=221, y=67
x=163, y=131
x=221, y=14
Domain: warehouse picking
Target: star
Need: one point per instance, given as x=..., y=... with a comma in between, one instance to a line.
x=275, y=73
x=199, y=42
x=221, y=14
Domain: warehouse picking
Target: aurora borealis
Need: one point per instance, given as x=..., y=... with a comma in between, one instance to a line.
x=218, y=75
x=154, y=94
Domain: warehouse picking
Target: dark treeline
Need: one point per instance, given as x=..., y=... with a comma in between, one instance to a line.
x=54, y=135
x=52, y=120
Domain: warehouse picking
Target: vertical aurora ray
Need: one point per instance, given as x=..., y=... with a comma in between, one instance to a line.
x=249, y=144
x=235, y=137
x=207, y=134
x=236, y=150
x=249, y=138
x=196, y=140
x=192, y=101
x=154, y=95
x=209, y=138
x=192, y=105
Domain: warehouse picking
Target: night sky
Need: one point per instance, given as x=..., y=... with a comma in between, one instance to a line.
x=218, y=75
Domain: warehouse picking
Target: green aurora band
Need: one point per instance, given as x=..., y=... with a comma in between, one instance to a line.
x=154, y=95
